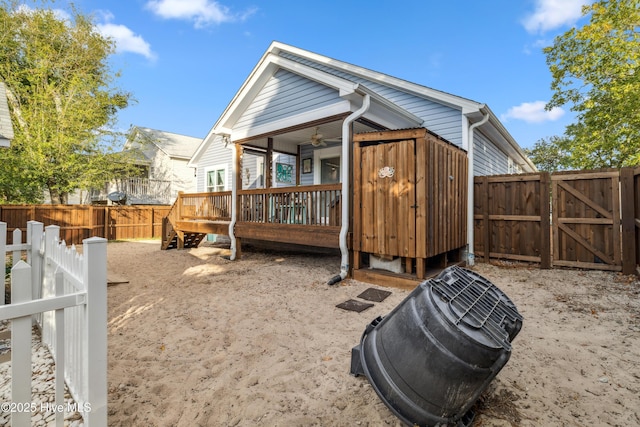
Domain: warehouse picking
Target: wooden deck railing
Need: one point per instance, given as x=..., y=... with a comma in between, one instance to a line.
x=204, y=206
x=308, y=215
x=306, y=205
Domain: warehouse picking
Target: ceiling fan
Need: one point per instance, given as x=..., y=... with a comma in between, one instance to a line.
x=318, y=140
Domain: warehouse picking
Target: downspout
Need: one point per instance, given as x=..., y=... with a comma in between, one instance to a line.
x=234, y=193
x=346, y=144
x=470, y=157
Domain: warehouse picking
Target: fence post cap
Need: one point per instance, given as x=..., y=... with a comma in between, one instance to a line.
x=20, y=265
x=93, y=240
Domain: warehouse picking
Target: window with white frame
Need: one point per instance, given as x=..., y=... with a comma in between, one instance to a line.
x=513, y=167
x=216, y=178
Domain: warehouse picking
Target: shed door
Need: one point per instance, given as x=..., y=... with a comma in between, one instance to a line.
x=387, y=214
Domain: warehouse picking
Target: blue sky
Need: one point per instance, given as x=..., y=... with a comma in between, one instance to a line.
x=183, y=60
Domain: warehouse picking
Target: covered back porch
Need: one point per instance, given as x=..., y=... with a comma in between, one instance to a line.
x=288, y=189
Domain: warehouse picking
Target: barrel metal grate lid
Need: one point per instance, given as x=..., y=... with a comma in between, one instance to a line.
x=477, y=306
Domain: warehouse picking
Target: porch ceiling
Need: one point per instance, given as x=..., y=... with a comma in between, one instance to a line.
x=289, y=141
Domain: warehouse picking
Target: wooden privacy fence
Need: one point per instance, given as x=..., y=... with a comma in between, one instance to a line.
x=66, y=293
x=585, y=219
x=78, y=222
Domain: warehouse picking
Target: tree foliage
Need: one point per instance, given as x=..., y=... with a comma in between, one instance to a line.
x=595, y=69
x=62, y=103
x=549, y=154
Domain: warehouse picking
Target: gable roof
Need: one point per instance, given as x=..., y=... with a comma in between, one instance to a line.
x=349, y=80
x=451, y=100
x=172, y=144
x=6, y=128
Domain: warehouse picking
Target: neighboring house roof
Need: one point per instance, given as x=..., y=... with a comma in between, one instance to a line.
x=349, y=81
x=6, y=128
x=172, y=144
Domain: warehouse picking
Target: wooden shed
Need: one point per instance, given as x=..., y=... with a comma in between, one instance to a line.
x=409, y=205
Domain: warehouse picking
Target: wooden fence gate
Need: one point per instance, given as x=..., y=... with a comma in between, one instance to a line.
x=594, y=221
x=511, y=218
x=586, y=220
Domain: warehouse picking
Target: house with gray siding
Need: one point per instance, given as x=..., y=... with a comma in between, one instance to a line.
x=292, y=121
x=6, y=128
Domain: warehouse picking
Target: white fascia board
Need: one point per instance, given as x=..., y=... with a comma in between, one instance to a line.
x=387, y=113
x=251, y=86
x=343, y=86
x=246, y=95
x=266, y=68
x=320, y=113
x=390, y=118
x=206, y=142
x=265, y=71
x=505, y=141
x=511, y=145
x=5, y=142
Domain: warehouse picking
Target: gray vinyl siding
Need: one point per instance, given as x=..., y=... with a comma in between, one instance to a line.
x=215, y=155
x=306, y=151
x=487, y=158
x=251, y=176
x=285, y=95
x=441, y=119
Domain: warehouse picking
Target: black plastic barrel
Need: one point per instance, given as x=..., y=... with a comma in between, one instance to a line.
x=437, y=351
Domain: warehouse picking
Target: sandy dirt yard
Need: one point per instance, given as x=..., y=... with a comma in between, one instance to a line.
x=198, y=340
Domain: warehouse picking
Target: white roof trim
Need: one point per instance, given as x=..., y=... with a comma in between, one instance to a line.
x=467, y=106
x=265, y=70
x=320, y=113
x=272, y=60
x=423, y=91
x=511, y=146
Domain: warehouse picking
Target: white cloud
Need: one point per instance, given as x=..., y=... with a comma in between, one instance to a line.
x=58, y=13
x=533, y=112
x=536, y=46
x=126, y=40
x=551, y=14
x=201, y=12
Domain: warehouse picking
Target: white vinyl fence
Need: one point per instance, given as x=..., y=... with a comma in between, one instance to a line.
x=65, y=292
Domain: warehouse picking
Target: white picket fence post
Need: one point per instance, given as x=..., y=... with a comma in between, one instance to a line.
x=3, y=253
x=34, y=256
x=60, y=350
x=17, y=244
x=21, y=343
x=95, y=374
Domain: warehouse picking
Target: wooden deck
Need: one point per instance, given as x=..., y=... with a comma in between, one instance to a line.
x=308, y=215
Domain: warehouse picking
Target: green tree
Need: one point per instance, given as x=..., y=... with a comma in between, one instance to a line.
x=62, y=102
x=595, y=70
x=548, y=154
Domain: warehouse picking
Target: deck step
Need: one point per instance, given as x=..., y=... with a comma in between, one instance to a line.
x=191, y=240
